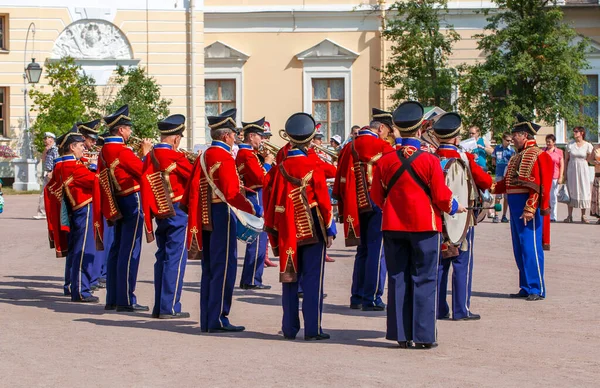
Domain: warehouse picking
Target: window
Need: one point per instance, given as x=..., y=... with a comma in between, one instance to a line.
x=219, y=96
x=589, y=109
x=328, y=105
x=4, y=112
x=4, y=31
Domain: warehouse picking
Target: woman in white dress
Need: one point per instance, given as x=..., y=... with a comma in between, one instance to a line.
x=579, y=181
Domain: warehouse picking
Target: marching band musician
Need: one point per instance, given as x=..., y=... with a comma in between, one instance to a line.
x=90, y=131
x=120, y=168
x=252, y=173
x=79, y=187
x=447, y=129
x=409, y=187
x=300, y=224
x=166, y=171
x=362, y=219
x=527, y=183
x=108, y=235
x=212, y=225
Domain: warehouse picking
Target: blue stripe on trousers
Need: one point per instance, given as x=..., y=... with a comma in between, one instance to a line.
x=171, y=259
x=254, y=259
x=219, y=268
x=412, y=265
x=527, y=246
x=82, y=250
x=368, y=278
x=462, y=277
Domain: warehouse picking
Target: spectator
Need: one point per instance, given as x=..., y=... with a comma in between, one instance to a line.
x=557, y=176
x=595, y=209
x=482, y=149
x=500, y=157
x=353, y=134
x=50, y=153
x=579, y=152
x=335, y=142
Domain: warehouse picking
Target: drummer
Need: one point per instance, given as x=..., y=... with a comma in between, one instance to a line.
x=252, y=173
x=447, y=129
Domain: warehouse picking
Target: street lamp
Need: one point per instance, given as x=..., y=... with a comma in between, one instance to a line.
x=25, y=169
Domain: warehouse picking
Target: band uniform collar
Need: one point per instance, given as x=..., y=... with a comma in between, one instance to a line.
x=163, y=146
x=530, y=143
x=67, y=158
x=367, y=132
x=220, y=144
x=296, y=152
x=411, y=142
x=448, y=147
x=114, y=140
x=246, y=147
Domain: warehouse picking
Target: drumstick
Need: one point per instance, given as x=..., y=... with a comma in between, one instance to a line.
x=497, y=207
x=250, y=190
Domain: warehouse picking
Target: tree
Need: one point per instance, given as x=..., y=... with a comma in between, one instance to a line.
x=141, y=92
x=72, y=98
x=532, y=66
x=418, y=68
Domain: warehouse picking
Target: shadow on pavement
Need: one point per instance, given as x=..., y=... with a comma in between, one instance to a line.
x=495, y=295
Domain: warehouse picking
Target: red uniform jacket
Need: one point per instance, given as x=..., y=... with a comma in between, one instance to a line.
x=174, y=169
x=407, y=208
x=199, y=195
x=53, y=196
x=530, y=171
x=249, y=167
x=125, y=167
x=328, y=169
x=355, y=165
x=288, y=216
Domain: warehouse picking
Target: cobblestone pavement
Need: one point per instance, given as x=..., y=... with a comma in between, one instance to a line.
x=45, y=340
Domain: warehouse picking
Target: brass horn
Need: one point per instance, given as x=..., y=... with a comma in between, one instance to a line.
x=332, y=154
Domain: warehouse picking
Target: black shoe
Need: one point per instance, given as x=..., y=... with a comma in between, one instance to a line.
x=102, y=281
x=155, y=315
x=174, y=316
x=518, y=295
x=285, y=337
x=67, y=293
x=133, y=308
x=379, y=307
x=248, y=286
x=404, y=344
x=320, y=337
x=101, y=285
x=229, y=328
x=426, y=345
x=355, y=306
x=263, y=287
x=445, y=317
x=470, y=317
x=89, y=299
x=533, y=297
x=110, y=307
x=94, y=287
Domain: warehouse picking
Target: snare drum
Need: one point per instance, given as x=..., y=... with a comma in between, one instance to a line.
x=249, y=227
x=458, y=180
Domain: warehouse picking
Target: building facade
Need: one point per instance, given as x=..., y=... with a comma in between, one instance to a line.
x=265, y=57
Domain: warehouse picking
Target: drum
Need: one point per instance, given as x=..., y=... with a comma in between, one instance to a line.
x=249, y=227
x=485, y=200
x=458, y=180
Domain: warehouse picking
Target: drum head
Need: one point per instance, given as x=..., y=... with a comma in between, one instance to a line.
x=250, y=221
x=485, y=200
x=457, y=179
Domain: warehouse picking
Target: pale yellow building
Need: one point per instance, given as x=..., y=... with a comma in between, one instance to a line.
x=265, y=57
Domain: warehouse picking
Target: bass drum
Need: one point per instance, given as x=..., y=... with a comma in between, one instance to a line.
x=458, y=180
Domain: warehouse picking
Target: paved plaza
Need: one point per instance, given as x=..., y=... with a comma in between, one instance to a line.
x=45, y=340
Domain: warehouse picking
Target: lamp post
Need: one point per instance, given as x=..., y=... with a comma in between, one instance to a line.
x=25, y=171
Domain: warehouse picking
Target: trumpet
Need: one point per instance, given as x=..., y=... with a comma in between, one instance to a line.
x=269, y=147
x=136, y=143
x=332, y=154
x=190, y=155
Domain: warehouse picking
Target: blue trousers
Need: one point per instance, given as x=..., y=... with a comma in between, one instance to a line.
x=82, y=250
x=68, y=264
x=368, y=278
x=171, y=258
x=219, y=268
x=462, y=278
x=311, y=268
x=124, y=256
x=254, y=260
x=412, y=265
x=102, y=256
x=527, y=246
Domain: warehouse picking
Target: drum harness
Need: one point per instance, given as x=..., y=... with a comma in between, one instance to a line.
x=407, y=167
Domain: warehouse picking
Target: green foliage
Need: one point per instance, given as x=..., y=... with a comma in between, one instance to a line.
x=533, y=64
x=142, y=93
x=73, y=98
x=418, y=68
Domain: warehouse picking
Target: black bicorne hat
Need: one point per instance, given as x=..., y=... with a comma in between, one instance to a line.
x=224, y=120
x=120, y=117
x=300, y=128
x=383, y=117
x=254, y=127
x=172, y=125
x=90, y=129
x=408, y=116
x=100, y=141
x=448, y=125
x=524, y=125
x=72, y=136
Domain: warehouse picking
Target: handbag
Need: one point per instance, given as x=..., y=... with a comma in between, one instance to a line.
x=563, y=194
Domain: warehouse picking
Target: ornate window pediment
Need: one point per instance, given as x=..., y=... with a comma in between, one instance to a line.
x=221, y=52
x=327, y=50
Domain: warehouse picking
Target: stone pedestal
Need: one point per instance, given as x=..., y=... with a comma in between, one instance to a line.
x=25, y=175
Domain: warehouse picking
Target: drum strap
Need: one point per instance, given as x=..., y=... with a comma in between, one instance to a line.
x=407, y=167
